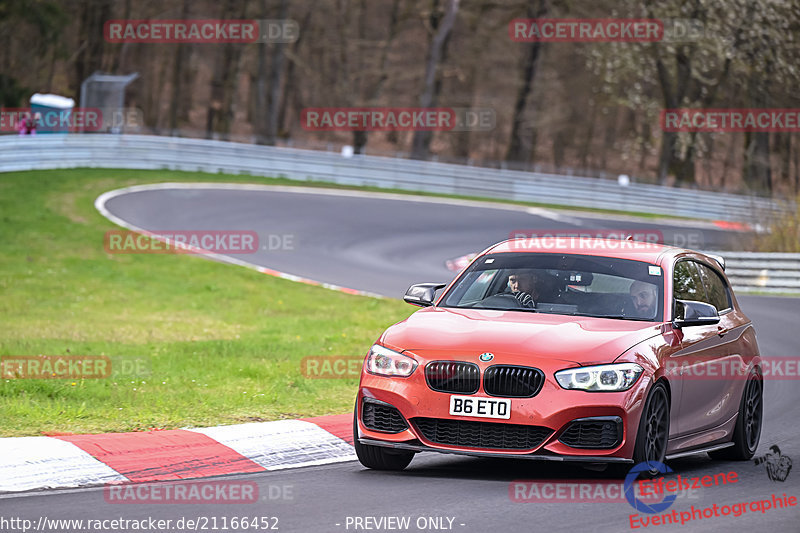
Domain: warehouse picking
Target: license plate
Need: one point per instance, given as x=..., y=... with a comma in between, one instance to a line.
x=480, y=407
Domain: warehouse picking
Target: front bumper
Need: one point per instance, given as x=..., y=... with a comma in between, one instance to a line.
x=552, y=408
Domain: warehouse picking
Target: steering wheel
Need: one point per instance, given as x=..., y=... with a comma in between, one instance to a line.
x=500, y=300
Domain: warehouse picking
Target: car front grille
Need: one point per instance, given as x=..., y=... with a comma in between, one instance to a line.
x=598, y=433
x=512, y=381
x=382, y=417
x=469, y=434
x=453, y=376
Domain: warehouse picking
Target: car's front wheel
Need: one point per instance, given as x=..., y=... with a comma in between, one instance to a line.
x=747, y=431
x=378, y=457
x=651, y=439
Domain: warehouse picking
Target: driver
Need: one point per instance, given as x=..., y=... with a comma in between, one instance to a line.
x=527, y=287
x=645, y=298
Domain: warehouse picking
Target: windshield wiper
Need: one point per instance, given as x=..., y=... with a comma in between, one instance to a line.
x=529, y=309
x=623, y=317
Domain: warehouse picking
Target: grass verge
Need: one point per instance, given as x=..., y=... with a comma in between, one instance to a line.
x=220, y=344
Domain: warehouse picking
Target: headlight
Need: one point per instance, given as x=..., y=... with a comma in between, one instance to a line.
x=602, y=378
x=386, y=362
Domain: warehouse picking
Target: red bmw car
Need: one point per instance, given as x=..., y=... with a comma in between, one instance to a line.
x=558, y=349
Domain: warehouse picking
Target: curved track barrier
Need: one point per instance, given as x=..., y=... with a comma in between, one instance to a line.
x=176, y=153
x=762, y=272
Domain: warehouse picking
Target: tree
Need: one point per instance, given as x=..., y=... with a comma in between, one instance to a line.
x=180, y=94
x=360, y=137
x=442, y=25
x=227, y=67
x=90, y=55
x=523, y=133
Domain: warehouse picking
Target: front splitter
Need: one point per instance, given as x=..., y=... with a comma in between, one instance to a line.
x=535, y=457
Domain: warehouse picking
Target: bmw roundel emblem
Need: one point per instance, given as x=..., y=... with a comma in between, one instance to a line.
x=486, y=356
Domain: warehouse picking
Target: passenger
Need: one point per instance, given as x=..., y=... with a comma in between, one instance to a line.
x=644, y=297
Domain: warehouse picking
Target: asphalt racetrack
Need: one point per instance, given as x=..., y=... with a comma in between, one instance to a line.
x=381, y=244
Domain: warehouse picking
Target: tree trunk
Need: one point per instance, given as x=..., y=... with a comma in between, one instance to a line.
x=89, y=57
x=261, y=85
x=520, y=146
x=796, y=171
x=360, y=138
x=730, y=160
x=757, y=173
x=226, y=72
x=587, y=142
x=178, y=76
x=783, y=144
x=276, y=72
x=420, y=145
x=646, y=136
x=292, y=97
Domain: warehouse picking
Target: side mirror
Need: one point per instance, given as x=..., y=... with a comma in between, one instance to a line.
x=422, y=294
x=691, y=313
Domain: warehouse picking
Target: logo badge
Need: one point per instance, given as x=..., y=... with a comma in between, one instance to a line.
x=778, y=465
x=486, y=356
x=638, y=504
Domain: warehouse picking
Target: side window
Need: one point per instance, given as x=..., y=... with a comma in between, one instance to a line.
x=687, y=284
x=717, y=290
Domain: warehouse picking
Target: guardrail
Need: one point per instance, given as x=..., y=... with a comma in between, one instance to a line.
x=762, y=272
x=175, y=153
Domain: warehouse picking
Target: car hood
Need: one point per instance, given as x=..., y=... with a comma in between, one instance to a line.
x=436, y=332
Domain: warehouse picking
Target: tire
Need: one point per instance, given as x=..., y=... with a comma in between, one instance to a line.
x=653, y=433
x=747, y=431
x=378, y=457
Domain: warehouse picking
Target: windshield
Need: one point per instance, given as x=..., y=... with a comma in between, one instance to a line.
x=563, y=284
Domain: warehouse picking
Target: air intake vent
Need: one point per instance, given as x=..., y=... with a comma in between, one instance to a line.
x=382, y=417
x=601, y=433
x=469, y=434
